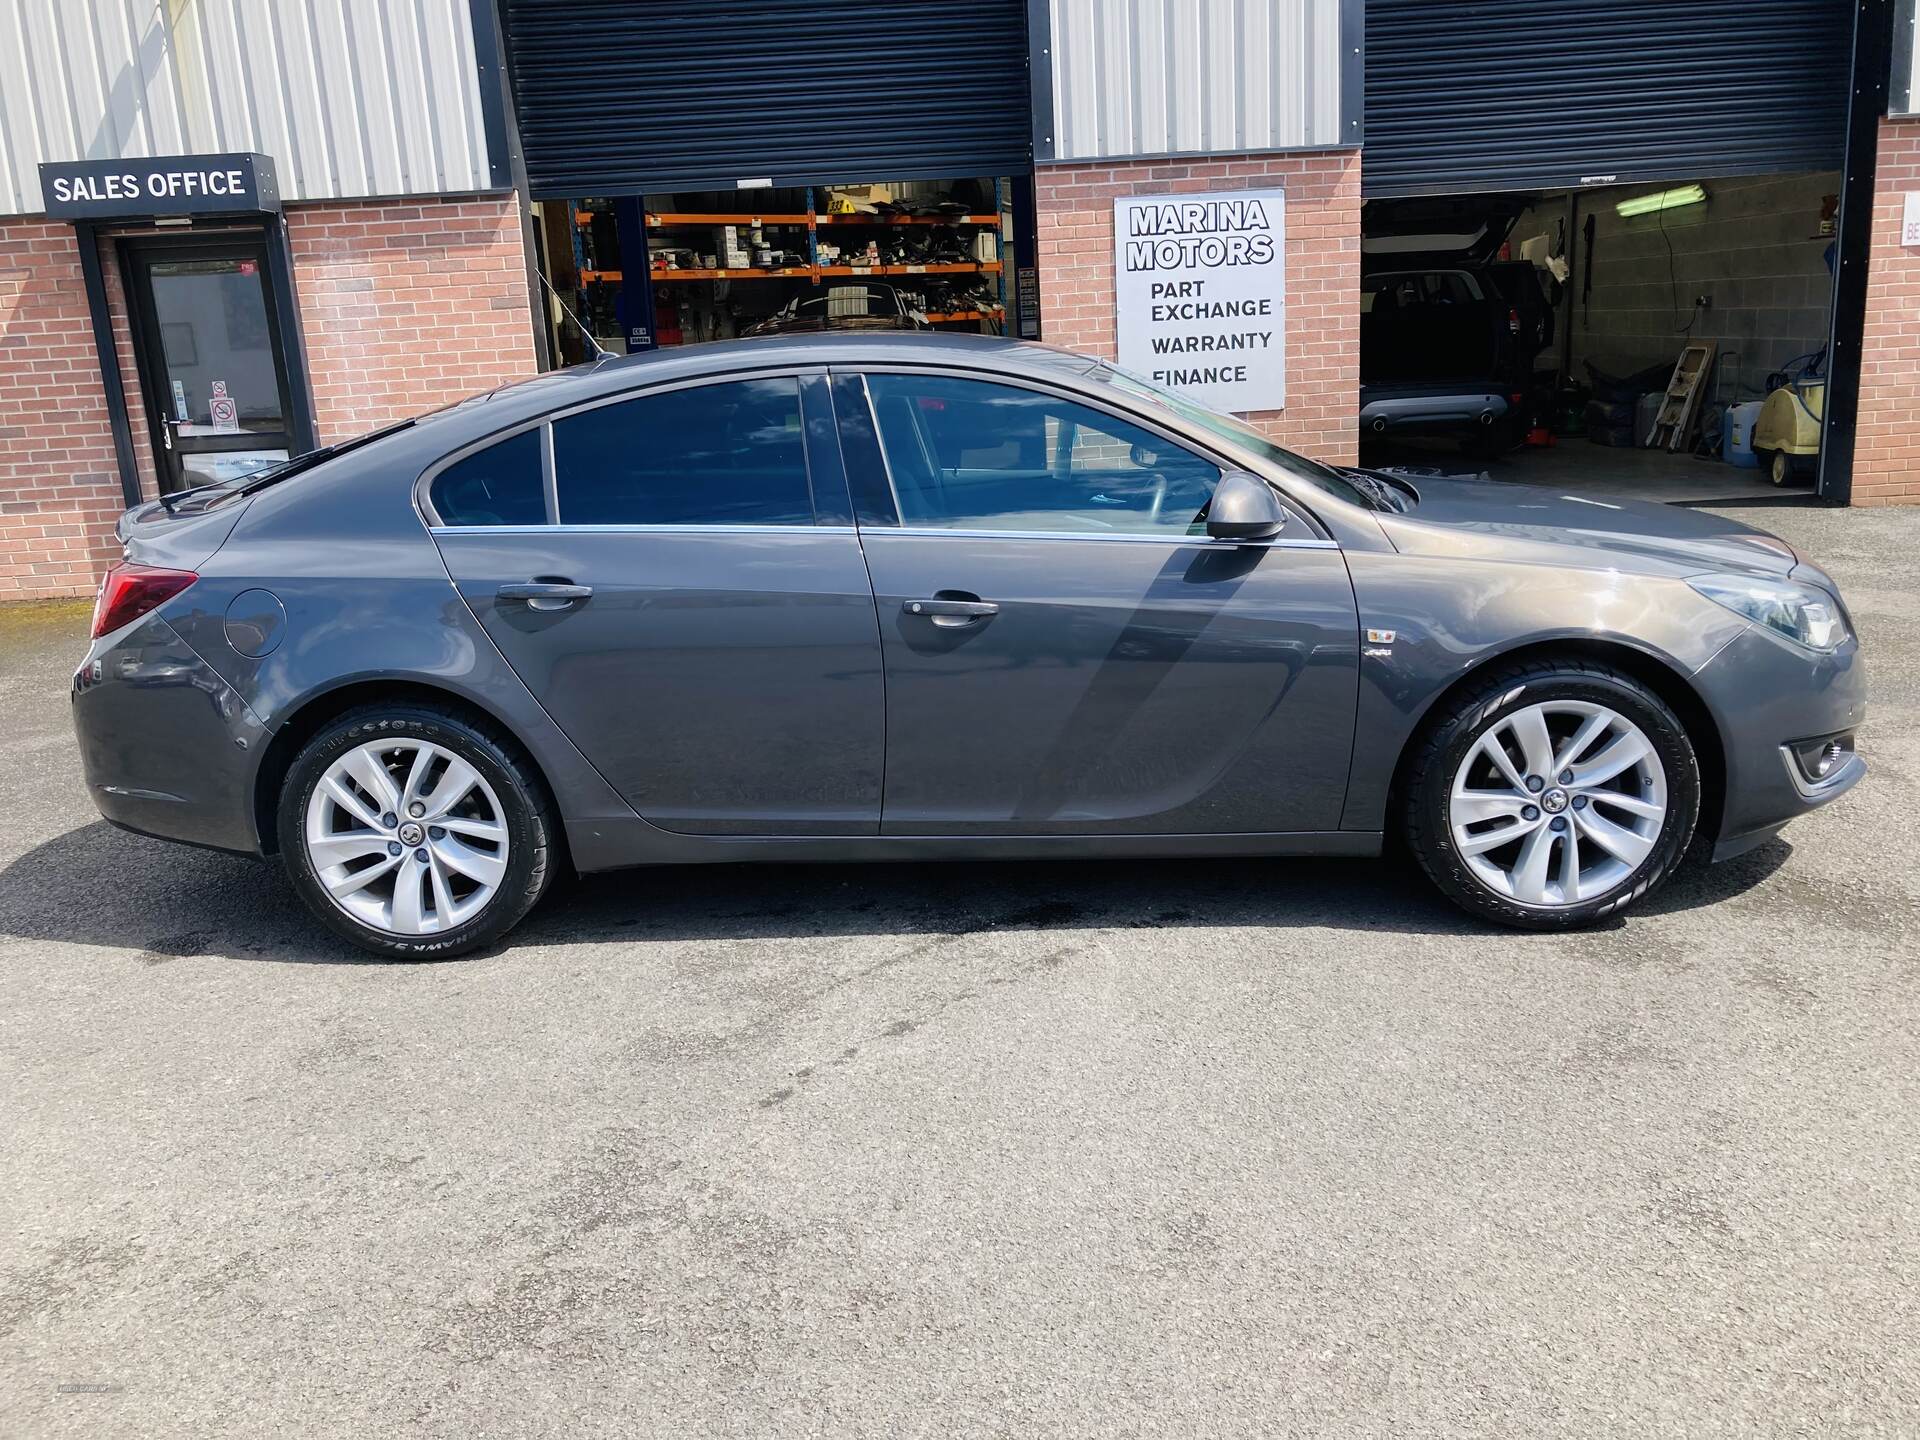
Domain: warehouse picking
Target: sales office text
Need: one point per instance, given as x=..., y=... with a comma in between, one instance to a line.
x=161, y=185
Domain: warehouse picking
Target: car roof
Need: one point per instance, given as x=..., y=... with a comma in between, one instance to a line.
x=558, y=389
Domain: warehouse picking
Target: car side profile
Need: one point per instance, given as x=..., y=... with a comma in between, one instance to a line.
x=914, y=596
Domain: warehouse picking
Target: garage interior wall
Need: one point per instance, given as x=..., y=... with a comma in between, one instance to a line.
x=1753, y=248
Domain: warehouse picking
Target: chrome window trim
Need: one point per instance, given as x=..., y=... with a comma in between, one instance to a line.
x=925, y=532
x=584, y=529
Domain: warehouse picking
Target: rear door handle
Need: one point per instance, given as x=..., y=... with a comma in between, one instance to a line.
x=949, y=613
x=545, y=594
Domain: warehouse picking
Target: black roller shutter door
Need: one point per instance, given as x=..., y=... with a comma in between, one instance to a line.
x=635, y=96
x=1543, y=94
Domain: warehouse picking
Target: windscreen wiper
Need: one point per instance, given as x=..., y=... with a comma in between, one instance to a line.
x=1384, y=495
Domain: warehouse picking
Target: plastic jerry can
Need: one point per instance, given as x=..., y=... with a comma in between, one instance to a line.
x=1736, y=434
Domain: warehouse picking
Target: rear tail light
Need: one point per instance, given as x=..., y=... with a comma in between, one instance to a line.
x=1513, y=321
x=128, y=591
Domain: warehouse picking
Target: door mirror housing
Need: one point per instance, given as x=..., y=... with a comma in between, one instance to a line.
x=1244, y=507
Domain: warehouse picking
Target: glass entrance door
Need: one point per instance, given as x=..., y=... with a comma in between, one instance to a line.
x=212, y=361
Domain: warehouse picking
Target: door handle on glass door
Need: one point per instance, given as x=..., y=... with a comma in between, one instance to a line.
x=950, y=613
x=545, y=594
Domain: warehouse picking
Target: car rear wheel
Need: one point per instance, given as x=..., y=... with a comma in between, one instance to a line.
x=1553, y=795
x=415, y=833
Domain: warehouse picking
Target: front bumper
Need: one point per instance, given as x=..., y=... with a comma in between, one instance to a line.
x=168, y=748
x=1766, y=695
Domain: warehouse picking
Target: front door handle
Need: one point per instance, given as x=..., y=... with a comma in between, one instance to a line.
x=950, y=613
x=545, y=594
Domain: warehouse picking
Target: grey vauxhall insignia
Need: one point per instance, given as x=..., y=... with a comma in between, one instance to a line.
x=883, y=597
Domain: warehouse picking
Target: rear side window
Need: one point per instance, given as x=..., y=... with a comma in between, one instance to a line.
x=500, y=485
x=726, y=454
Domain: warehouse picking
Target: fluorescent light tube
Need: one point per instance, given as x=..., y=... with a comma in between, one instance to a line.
x=1662, y=200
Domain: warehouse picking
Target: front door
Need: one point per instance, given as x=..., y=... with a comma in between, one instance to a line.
x=211, y=358
x=1066, y=651
x=699, y=621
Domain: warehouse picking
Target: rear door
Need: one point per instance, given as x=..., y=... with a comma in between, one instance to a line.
x=675, y=575
x=1066, y=650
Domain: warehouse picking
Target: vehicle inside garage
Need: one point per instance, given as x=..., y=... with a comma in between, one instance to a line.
x=1600, y=240
x=1671, y=335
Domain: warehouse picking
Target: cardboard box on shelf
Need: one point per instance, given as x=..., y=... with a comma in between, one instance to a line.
x=857, y=199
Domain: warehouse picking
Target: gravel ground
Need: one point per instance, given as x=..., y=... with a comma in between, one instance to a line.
x=1117, y=1149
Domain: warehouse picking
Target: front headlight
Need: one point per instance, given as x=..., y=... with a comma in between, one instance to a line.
x=1805, y=614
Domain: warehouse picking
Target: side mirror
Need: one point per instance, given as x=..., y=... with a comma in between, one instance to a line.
x=1244, y=507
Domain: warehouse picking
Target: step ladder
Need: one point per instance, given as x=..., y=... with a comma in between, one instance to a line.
x=1680, y=406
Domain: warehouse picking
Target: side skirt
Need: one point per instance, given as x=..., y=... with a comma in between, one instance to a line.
x=618, y=846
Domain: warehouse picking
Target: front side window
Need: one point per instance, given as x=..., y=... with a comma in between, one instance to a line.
x=500, y=485
x=975, y=455
x=731, y=453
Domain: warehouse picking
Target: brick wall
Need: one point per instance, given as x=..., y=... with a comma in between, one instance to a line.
x=1886, y=467
x=1075, y=206
x=59, y=486
x=408, y=306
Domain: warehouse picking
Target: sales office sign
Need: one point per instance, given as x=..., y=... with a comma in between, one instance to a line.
x=167, y=185
x=1200, y=287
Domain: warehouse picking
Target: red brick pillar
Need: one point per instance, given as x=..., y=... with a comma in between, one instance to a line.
x=1886, y=465
x=59, y=479
x=1075, y=206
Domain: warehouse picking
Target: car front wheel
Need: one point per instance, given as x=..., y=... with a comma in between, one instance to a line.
x=1553, y=795
x=413, y=832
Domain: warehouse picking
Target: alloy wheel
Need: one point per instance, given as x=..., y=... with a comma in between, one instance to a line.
x=406, y=837
x=1558, y=803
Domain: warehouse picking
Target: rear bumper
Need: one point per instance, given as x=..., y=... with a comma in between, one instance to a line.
x=1387, y=409
x=1766, y=695
x=167, y=747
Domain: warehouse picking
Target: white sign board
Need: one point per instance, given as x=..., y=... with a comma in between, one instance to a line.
x=1200, y=285
x=1910, y=219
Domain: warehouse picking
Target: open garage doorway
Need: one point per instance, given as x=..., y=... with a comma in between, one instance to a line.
x=1665, y=340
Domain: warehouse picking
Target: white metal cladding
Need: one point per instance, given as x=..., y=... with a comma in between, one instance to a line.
x=350, y=97
x=1169, y=77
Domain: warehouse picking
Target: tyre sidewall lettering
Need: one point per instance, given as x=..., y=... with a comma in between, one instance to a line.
x=522, y=811
x=1429, y=824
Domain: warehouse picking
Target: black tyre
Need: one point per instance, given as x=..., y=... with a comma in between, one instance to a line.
x=414, y=832
x=1776, y=465
x=1552, y=795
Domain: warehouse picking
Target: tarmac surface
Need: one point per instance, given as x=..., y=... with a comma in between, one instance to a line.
x=1134, y=1148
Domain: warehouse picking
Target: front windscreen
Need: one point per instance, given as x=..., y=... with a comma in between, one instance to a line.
x=1228, y=427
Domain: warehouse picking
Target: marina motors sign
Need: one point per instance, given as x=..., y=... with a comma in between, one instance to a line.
x=165, y=185
x=1200, y=286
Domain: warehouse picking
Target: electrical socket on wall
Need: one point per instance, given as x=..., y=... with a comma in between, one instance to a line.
x=1703, y=302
